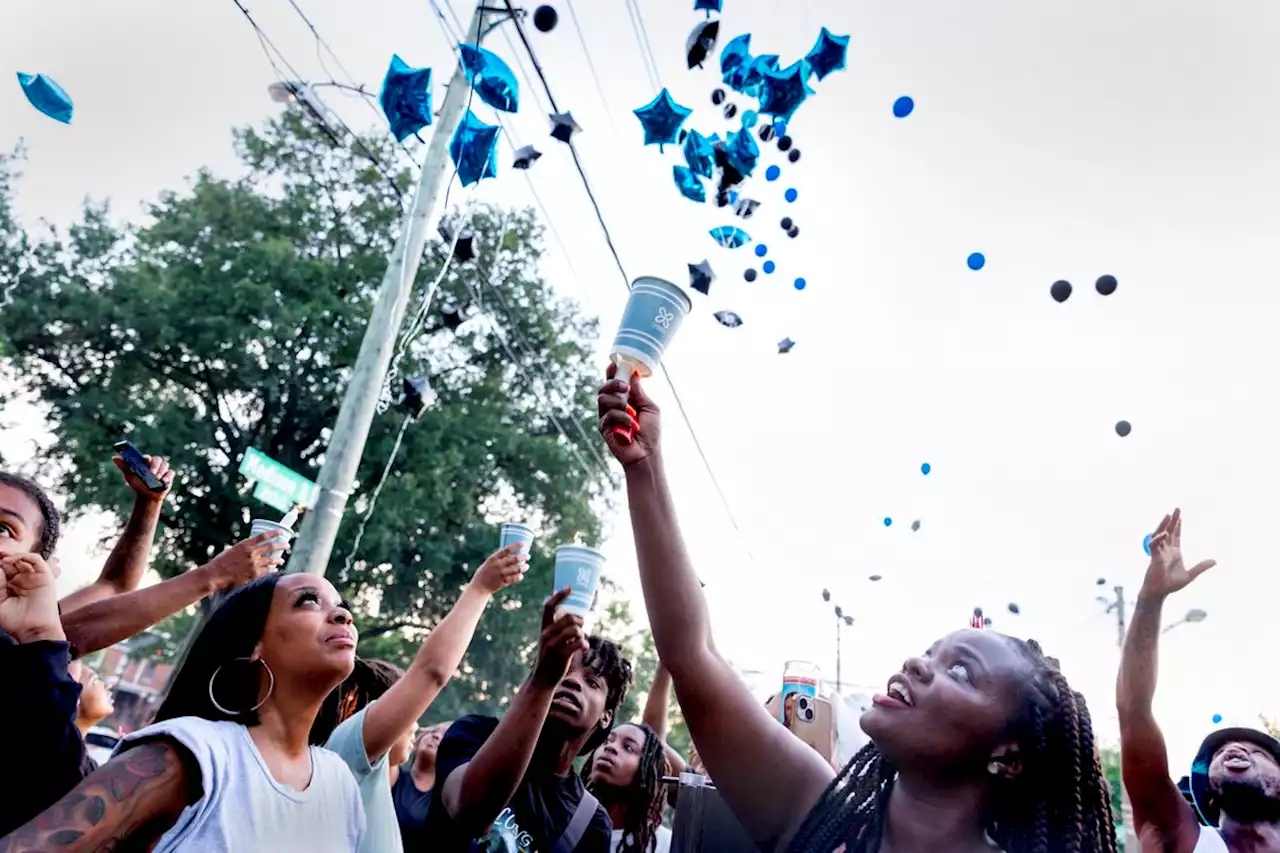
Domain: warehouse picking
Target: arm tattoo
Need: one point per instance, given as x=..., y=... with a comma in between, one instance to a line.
x=138, y=794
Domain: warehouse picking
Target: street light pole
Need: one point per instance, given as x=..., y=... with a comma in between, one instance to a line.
x=346, y=445
x=848, y=621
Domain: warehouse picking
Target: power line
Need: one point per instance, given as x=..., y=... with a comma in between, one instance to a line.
x=582, y=40
x=642, y=39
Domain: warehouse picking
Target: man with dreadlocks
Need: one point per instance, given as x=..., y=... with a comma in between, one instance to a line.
x=977, y=745
x=1235, y=779
x=626, y=776
x=508, y=785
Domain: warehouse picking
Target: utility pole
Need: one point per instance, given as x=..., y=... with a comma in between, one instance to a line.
x=342, y=457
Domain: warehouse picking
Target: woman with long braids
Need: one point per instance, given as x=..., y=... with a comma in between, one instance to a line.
x=227, y=765
x=977, y=745
x=625, y=774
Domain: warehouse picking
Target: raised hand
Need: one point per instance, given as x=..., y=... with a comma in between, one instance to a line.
x=29, y=599
x=158, y=466
x=247, y=560
x=631, y=438
x=561, y=639
x=502, y=569
x=1166, y=574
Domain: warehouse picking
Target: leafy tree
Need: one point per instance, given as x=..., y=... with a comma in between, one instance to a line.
x=231, y=319
x=1111, y=772
x=1270, y=726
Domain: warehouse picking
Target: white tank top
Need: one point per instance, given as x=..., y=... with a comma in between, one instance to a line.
x=1210, y=841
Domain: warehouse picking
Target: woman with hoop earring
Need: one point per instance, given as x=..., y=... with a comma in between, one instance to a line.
x=227, y=765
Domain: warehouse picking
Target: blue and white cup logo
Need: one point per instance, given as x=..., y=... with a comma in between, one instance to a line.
x=516, y=533
x=652, y=316
x=578, y=568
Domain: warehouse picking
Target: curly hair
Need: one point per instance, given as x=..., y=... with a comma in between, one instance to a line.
x=644, y=798
x=368, y=681
x=50, y=518
x=605, y=659
x=1059, y=803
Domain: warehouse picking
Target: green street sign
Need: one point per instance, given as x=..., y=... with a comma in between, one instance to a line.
x=277, y=486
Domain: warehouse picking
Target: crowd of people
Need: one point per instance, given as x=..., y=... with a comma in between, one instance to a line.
x=275, y=735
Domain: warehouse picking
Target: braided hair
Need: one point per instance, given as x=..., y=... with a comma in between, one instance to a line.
x=1059, y=803
x=605, y=659
x=644, y=798
x=368, y=681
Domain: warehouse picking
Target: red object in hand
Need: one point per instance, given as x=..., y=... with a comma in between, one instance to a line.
x=628, y=435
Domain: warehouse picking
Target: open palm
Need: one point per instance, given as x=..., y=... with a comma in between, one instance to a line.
x=1167, y=573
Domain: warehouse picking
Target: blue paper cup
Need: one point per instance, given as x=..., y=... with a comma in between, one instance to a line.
x=513, y=533
x=283, y=534
x=653, y=314
x=578, y=567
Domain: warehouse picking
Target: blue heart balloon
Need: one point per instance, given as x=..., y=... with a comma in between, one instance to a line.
x=661, y=119
x=490, y=77
x=406, y=98
x=473, y=149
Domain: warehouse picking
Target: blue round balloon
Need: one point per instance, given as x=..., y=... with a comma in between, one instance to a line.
x=926, y=468
x=792, y=195
x=1217, y=718
x=749, y=118
x=761, y=250
x=1146, y=544
x=772, y=173
x=977, y=261
x=768, y=267
x=800, y=283
x=903, y=107
x=887, y=521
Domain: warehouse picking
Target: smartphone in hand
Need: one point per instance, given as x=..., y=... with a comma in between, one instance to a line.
x=138, y=466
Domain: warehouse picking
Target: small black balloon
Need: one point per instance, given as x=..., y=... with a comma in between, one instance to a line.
x=786, y=223
x=1102, y=581
x=1106, y=285
x=717, y=96
x=1014, y=609
x=544, y=18
x=722, y=198
x=1060, y=290
x=749, y=274
x=766, y=132
x=784, y=143
x=977, y=611
x=794, y=156
x=793, y=232
x=1123, y=428
x=683, y=134
x=987, y=622
x=730, y=110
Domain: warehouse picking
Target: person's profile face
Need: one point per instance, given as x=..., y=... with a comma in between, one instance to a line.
x=21, y=523
x=309, y=631
x=962, y=695
x=618, y=760
x=96, y=702
x=1245, y=762
x=580, y=699
x=428, y=742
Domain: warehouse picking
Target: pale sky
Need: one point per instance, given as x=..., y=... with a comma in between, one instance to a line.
x=1061, y=140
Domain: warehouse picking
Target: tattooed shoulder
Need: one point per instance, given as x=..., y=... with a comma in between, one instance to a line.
x=136, y=796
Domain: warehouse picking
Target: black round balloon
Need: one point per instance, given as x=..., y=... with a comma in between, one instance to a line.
x=749, y=274
x=717, y=96
x=1102, y=581
x=793, y=232
x=766, y=132
x=1014, y=609
x=794, y=156
x=730, y=110
x=1060, y=290
x=977, y=611
x=784, y=143
x=544, y=18
x=1106, y=285
x=986, y=622
x=786, y=223
x=1123, y=428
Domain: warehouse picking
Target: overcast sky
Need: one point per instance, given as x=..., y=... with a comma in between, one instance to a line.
x=1064, y=141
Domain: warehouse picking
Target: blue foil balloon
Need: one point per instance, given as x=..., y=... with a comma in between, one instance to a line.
x=700, y=154
x=661, y=119
x=730, y=237
x=827, y=54
x=753, y=78
x=688, y=184
x=708, y=5
x=473, y=149
x=783, y=90
x=490, y=77
x=888, y=521
x=47, y=96
x=742, y=152
x=1146, y=544
x=406, y=98
x=749, y=118
x=735, y=54
x=926, y=468
x=1217, y=718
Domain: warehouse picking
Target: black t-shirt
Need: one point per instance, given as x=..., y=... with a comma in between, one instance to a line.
x=411, y=809
x=535, y=817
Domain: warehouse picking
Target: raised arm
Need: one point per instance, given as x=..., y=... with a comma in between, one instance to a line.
x=138, y=795
x=657, y=708
x=438, y=659
x=109, y=620
x=1163, y=819
x=477, y=792
x=769, y=779
x=127, y=562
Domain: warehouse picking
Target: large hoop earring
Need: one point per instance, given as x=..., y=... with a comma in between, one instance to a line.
x=271, y=685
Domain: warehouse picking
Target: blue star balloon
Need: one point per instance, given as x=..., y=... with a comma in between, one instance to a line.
x=406, y=98
x=828, y=53
x=708, y=5
x=730, y=237
x=784, y=90
x=46, y=96
x=688, y=184
x=473, y=149
x=742, y=152
x=661, y=119
x=753, y=77
x=700, y=153
x=490, y=77
x=735, y=60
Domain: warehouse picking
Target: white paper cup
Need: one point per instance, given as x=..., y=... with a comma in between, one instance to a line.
x=578, y=567
x=280, y=541
x=513, y=533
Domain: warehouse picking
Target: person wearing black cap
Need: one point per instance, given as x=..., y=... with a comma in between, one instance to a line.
x=1235, y=780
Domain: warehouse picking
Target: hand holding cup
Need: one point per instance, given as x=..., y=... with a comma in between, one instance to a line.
x=561, y=639
x=629, y=421
x=503, y=568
